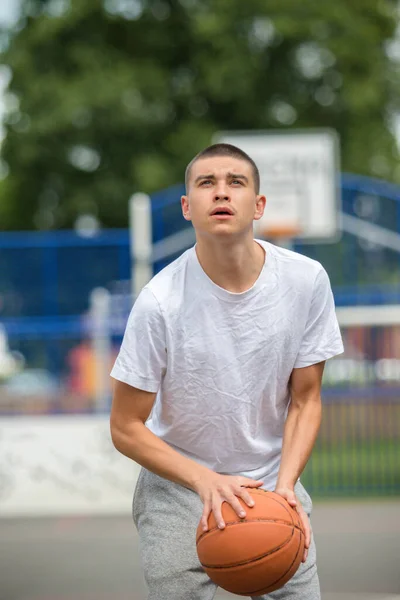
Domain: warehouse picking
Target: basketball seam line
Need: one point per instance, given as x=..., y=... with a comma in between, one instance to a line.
x=244, y=522
x=252, y=560
x=262, y=590
x=270, y=494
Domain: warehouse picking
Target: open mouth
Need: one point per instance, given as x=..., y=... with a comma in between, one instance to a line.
x=222, y=212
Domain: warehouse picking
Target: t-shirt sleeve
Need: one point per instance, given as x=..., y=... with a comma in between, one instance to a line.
x=142, y=358
x=321, y=339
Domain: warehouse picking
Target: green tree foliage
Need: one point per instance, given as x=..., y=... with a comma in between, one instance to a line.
x=112, y=96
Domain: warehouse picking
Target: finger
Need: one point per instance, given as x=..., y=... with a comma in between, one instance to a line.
x=247, y=482
x=307, y=530
x=205, y=515
x=245, y=496
x=305, y=555
x=216, y=508
x=306, y=525
x=237, y=507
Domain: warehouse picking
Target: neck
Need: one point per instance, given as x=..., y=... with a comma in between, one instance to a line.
x=234, y=265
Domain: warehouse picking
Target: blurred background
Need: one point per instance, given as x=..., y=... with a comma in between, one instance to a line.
x=103, y=103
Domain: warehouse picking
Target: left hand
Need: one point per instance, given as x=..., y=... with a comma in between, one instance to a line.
x=291, y=498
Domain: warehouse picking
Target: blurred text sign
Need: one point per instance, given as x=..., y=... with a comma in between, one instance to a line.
x=299, y=177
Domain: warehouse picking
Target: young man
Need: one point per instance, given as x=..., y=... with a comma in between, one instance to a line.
x=218, y=378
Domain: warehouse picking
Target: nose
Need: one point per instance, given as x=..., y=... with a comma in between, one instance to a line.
x=221, y=193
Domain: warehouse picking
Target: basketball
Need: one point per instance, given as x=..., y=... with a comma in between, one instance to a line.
x=257, y=554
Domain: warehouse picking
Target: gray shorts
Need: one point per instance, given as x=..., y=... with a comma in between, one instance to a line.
x=166, y=515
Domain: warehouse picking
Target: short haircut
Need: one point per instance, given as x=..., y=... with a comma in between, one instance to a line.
x=224, y=150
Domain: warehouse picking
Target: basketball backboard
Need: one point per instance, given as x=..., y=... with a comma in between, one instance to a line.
x=299, y=172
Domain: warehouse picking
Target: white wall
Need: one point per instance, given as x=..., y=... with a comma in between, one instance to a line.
x=62, y=465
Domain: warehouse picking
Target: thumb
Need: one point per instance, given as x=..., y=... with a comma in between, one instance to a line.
x=289, y=496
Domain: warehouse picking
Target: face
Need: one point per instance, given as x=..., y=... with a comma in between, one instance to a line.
x=221, y=198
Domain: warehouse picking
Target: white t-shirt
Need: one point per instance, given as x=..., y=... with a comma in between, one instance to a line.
x=221, y=361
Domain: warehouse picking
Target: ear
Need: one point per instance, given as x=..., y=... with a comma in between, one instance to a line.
x=185, y=208
x=259, y=207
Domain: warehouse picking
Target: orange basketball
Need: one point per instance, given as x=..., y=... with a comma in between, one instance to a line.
x=255, y=555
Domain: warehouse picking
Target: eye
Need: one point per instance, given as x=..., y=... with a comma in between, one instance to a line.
x=205, y=182
x=237, y=181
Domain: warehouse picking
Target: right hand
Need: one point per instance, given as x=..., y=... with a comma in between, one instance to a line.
x=214, y=489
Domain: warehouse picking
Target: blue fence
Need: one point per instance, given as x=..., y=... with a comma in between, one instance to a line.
x=51, y=274
x=46, y=278
x=45, y=284
x=48, y=275
x=361, y=272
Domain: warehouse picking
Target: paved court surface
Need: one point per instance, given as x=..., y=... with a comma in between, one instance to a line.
x=97, y=558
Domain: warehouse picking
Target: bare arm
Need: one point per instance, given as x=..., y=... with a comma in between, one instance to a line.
x=301, y=429
x=302, y=423
x=130, y=409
